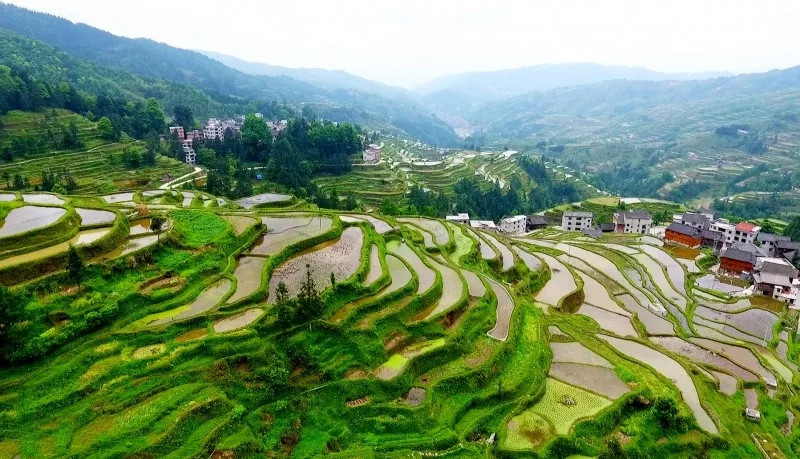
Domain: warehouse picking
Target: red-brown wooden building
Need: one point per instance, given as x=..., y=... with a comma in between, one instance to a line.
x=736, y=261
x=685, y=235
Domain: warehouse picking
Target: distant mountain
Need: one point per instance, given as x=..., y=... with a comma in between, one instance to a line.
x=327, y=79
x=147, y=58
x=450, y=92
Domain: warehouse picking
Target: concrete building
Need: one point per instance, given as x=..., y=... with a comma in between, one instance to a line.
x=573, y=220
x=177, y=130
x=189, y=155
x=214, y=130
x=745, y=232
x=633, y=222
x=769, y=242
x=696, y=220
x=774, y=277
x=372, y=154
x=513, y=225
x=458, y=218
x=725, y=227
x=195, y=135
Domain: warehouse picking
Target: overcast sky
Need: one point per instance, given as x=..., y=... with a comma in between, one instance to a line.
x=408, y=42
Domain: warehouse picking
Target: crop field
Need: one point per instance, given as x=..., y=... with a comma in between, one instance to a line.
x=175, y=343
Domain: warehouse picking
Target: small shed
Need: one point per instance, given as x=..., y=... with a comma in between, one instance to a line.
x=752, y=415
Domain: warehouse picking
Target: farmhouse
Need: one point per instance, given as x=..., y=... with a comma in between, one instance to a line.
x=745, y=232
x=458, y=218
x=486, y=225
x=576, y=221
x=736, y=261
x=177, y=130
x=372, y=154
x=725, y=227
x=697, y=220
x=636, y=222
x=769, y=242
x=689, y=236
x=713, y=239
x=774, y=277
x=513, y=225
x=787, y=249
x=534, y=222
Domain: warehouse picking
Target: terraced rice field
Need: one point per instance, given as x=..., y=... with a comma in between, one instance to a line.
x=560, y=285
x=703, y=356
x=654, y=324
x=285, y=231
x=597, y=295
x=83, y=238
x=239, y=223
x=400, y=275
x=28, y=218
x=427, y=237
x=476, y=287
x=727, y=383
x=131, y=246
x=672, y=370
x=425, y=275
x=266, y=198
x=452, y=288
x=505, y=306
x=463, y=242
x=487, y=252
x=600, y=380
x=341, y=257
x=237, y=321
x=615, y=323
x=117, y=198
x=575, y=352
x=248, y=277
x=204, y=302
x=674, y=269
x=505, y=252
x=756, y=322
x=530, y=260
x=655, y=271
x=381, y=227
x=527, y=431
x=90, y=217
x=42, y=198
x=739, y=355
x=434, y=227
x=564, y=405
x=375, y=268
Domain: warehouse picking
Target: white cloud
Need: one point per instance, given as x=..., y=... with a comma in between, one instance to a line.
x=408, y=42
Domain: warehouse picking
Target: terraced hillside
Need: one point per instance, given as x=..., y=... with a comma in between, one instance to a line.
x=96, y=164
x=427, y=338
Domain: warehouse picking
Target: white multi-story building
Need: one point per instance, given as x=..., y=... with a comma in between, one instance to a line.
x=745, y=232
x=573, y=220
x=725, y=227
x=486, y=225
x=513, y=225
x=213, y=130
x=636, y=222
x=189, y=155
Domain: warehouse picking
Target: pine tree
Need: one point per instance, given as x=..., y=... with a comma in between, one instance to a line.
x=76, y=266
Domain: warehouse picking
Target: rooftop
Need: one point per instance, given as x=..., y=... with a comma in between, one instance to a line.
x=769, y=237
x=482, y=224
x=738, y=255
x=745, y=227
x=694, y=218
x=537, y=220
x=635, y=215
x=514, y=219
x=686, y=230
x=577, y=213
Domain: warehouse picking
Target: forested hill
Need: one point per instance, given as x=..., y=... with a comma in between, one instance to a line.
x=148, y=58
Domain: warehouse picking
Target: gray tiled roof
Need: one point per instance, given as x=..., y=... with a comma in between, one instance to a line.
x=577, y=213
x=684, y=229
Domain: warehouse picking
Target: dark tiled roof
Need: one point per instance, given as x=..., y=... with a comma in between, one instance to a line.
x=537, y=220
x=694, y=218
x=684, y=229
x=606, y=227
x=713, y=235
x=593, y=233
x=789, y=245
x=738, y=255
x=577, y=213
x=769, y=237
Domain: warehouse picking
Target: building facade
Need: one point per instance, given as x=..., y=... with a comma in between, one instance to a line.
x=633, y=222
x=576, y=221
x=513, y=225
x=685, y=235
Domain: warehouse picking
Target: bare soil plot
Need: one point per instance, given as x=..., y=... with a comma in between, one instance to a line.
x=452, y=287
x=739, y=355
x=341, y=257
x=756, y=322
x=27, y=218
x=703, y=356
x=599, y=380
x=204, y=302
x=727, y=383
x=597, y=295
x=42, y=198
x=615, y=323
x=561, y=282
x=95, y=217
x=240, y=223
x=425, y=274
x=375, y=268
x=415, y=396
x=654, y=324
x=505, y=253
x=476, y=287
x=576, y=352
x=505, y=306
x=238, y=321
x=266, y=198
x=248, y=277
x=712, y=282
x=192, y=335
x=435, y=227
x=531, y=261
x=285, y=231
x=671, y=369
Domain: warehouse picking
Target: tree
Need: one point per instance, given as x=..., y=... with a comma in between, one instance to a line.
x=151, y=153
x=256, y=137
x=157, y=223
x=76, y=265
x=12, y=307
x=105, y=129
x=667, y=412
x=7, y=179
x=309, y=303
x=184, y=117
x=793, y=229
x=285, y=307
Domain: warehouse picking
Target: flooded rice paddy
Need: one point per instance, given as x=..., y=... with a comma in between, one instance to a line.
x=238, y=321
x=653, y=323
x=42, y=198
x=476, y=287
x=27, y=218
x=265, y=198
x=505, y=253
x=599, y=380
x=577, y=353
x=204, y=302
x=82, y=238
x=739, y=355
x=452, y=288
x=615, y=323
x=95, y=217
x=561, y=282
x=531, y=261
x=425, y=275
x=375, y=268
x=132, y=245
x=597, y=295
x=505, y=306
x=434, y=227
x=248, y=277
x=401, y=276
x=703, y=356
x=285, y=231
